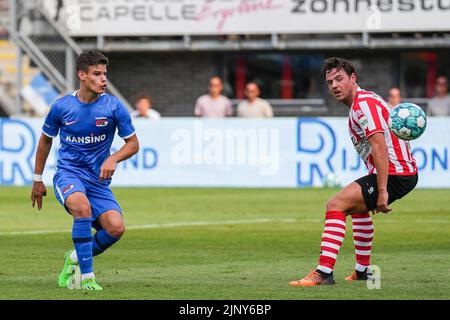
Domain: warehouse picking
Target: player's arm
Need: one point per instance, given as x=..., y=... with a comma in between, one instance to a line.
x=129, y=149
x=381, y=160
x=38, y=188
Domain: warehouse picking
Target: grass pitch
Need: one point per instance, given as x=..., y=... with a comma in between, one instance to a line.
x=225, y=244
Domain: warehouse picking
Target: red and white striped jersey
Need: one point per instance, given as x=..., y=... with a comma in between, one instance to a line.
x=368, y=115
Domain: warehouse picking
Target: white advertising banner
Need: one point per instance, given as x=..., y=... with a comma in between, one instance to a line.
x=187, y=152
x=209, y=17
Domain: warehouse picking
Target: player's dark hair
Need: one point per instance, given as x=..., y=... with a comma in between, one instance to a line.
x=90, y=58
x=339, y=64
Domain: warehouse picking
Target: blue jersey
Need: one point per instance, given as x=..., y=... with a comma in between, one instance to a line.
x=86, y=131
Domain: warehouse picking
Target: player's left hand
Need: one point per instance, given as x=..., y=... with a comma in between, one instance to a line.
x=382, y=202
x=108, y=168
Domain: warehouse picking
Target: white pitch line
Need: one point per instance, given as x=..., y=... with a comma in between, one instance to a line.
x=156, y=226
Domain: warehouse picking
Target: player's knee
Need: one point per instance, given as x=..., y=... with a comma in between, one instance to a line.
x=83, y=210
x=117, y=230
x=334, y=204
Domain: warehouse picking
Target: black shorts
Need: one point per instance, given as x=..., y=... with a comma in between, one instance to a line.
x=397, y=187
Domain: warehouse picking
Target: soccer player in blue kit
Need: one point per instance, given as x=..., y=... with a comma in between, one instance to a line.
x=86, y=121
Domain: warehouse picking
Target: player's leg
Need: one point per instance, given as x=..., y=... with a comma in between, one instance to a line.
x=105, y=217
x=347, y=201
x=67, y=185
x=108, y=220
x=111, y=228
x=362, y=225
x=78, y=205
x=363, y=230
x=363, y=233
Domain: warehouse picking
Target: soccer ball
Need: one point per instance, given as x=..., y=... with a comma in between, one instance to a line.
x=407, y=121
x=330, y=180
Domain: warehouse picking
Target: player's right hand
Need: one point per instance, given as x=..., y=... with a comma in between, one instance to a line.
x=38, y=190
x=382, y=202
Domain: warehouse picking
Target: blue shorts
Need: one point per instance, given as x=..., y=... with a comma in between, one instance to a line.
x=99, y=194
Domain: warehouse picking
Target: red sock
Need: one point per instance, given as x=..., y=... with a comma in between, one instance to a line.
x=332, y=238
x=362, y=236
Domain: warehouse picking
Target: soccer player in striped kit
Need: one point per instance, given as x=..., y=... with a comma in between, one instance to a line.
x=392, y=174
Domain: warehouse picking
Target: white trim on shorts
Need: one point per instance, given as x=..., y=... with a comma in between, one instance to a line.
x=60, y=194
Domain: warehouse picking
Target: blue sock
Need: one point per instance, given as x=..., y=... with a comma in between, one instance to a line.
x=82, y=239
x=102, y=241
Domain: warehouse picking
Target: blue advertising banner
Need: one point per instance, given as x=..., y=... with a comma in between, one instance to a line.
x=281, y=152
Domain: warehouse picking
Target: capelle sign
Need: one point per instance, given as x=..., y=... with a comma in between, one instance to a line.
x=197, y=17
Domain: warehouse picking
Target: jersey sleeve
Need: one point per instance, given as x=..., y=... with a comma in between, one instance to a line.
x=52, y=122
x=369, y=117
x=123, y=120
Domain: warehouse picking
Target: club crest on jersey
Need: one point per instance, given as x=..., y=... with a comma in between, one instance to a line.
x=101, y=121
x=67, y=189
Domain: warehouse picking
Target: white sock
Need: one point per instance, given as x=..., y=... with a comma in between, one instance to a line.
x=87, y=275
x=74, y=257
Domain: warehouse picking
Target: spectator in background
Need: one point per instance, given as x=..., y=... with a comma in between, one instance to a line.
x=394, y=96
x=214, y=104
x=254, y=107
x=144, y=109
x=440, y=104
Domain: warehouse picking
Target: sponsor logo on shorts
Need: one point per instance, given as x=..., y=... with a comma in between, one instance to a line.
x=101, y=121
x=67, y=189
x=371, y=190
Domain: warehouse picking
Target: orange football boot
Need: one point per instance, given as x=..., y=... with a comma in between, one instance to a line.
x=314, y=278
x=356, y=276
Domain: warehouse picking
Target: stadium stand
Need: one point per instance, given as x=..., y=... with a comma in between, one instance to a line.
x=8, y=72
x=45, y=44
x=174, y=68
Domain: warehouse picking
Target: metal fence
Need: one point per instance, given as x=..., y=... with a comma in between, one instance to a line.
x=31, y=26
